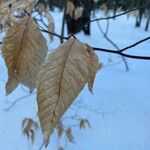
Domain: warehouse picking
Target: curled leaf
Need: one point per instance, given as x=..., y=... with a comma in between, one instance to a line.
x=83, y=123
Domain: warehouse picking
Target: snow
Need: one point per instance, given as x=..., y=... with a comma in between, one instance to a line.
x=119, y=110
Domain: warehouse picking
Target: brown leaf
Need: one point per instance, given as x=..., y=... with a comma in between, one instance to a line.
x=93, y=67
x=70, y=8
x=24, y=50
x=15, y=4
x=62, y=77
x=87, y=122
x=29, y=126
x=51, y=26
x=60, y=130
x=7, y=9
x=78, y=13
x=69, y=134
x=74, y=12
x=83, y=123
x=41, y=8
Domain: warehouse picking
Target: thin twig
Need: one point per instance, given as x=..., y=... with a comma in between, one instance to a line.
x=18, y=100
x=112, y=51
x=111, y=17
x=55, y=34
x=122, y=54
x=135, y=44
x=41, y=146
x=111, y=42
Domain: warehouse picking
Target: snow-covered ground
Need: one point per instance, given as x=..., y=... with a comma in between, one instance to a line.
x=119, y=110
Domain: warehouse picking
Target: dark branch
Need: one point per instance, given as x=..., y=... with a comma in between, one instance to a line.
x=115, y=16
x=122, y=54
x=111, y=17
x=135, y=44
x=119, y=52
x=57, y=35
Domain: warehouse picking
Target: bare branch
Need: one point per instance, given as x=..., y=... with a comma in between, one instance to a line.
x=111, y=17
x=111, y=51
x=122, y=54
x=57, y=35
x=111, y=42
x=135, y=44
x=18, y=100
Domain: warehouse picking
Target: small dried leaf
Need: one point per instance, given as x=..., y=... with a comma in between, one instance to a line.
x=69, y=135
x=62, y=77
x=88, y=123
x=24, y=50
x=60, y=130
x=51, y=26
x=29, y=126
x=93, y=67
x=70, y=8
x=78, y=13
x=83, y=123
x=74, y=12
x=32, y=135
x=41, y=8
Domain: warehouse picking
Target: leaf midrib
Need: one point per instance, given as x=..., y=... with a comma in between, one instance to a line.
x=61, y=81
x=21, y=44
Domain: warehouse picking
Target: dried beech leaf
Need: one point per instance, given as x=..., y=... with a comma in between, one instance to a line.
x=69, y=135
x=93, y=67
x=51, y=26
x=7, y=9
x=70, y=8
x=41, y=7
x=83, y=123
x=74, y=12
x=12, y=83
x=78, y=13
x=60, y=130
x=63, y=75
x=15, y=4
x=29, y=126
x=87, y=122
x=24, y=50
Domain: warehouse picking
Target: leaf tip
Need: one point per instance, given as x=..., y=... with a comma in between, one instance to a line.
x=46, y=137
x=11, y=85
